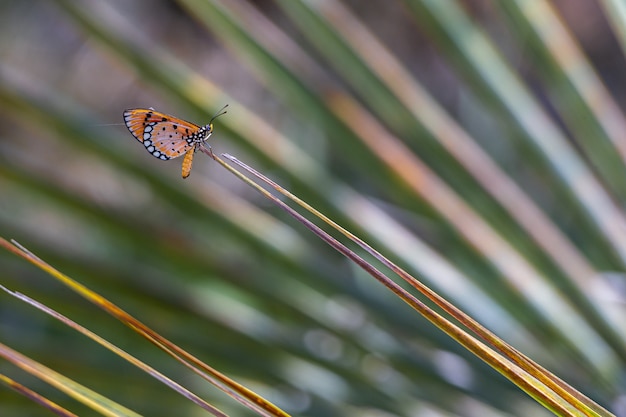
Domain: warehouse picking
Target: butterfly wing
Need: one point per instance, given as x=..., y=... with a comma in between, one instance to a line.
x=164, y=136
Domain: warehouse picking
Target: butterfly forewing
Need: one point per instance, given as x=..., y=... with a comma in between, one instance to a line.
x=164, y=136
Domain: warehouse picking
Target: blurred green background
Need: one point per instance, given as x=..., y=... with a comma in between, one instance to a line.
x=480, y=144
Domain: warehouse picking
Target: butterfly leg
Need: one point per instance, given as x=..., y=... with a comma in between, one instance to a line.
x=208, y=148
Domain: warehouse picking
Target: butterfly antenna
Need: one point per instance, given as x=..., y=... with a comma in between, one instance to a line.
x=219, y=113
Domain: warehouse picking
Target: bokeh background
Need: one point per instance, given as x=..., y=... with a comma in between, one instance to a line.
x=480, y=144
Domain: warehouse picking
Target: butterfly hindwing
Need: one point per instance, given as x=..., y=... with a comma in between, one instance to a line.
x=164, y=136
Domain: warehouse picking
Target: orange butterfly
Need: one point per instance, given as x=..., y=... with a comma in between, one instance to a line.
x=167, y=137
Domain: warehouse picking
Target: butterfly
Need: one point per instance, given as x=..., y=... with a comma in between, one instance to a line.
x=167, y=137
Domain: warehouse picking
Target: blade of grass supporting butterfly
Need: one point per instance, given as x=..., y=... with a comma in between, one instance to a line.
x=27, y=392
x=86, y=396
x=555, y=394
x=148, y=369
x=221, y=381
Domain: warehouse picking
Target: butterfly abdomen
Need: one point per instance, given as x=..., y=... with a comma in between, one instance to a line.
x=188, y=161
